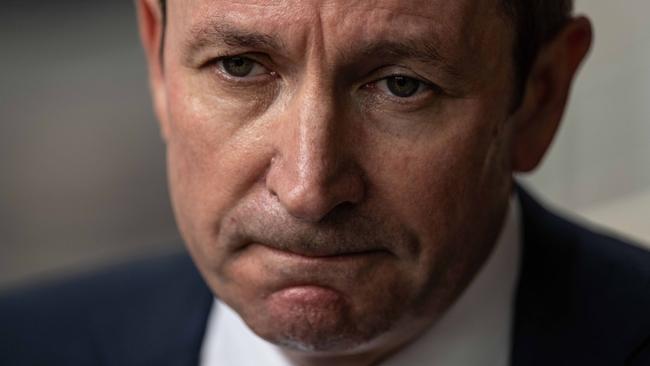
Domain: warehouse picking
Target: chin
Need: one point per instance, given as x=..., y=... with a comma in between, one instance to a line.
x=298, y=334
x=324, y=326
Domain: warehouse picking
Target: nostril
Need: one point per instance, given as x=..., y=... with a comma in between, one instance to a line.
x=310, y=181
x=308, y=202
x=313, y=202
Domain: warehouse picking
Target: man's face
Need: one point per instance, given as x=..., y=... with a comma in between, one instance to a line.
x=339, y=169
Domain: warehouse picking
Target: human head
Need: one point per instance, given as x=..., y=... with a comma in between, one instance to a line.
x=340, y=170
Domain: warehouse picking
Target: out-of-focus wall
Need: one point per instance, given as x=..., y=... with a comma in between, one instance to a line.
x=82, y=179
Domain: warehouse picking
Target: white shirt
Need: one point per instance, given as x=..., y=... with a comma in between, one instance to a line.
x=474, y=331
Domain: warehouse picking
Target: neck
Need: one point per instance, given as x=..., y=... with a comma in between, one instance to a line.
x=367, y=358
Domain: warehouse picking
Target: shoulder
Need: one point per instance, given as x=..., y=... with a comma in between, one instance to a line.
x=543, y=224
x=578, y=287
x=73, y=321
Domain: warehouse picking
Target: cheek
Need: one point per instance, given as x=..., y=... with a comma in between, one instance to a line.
x=424, y=175
x=214, y=157
x=437, y=183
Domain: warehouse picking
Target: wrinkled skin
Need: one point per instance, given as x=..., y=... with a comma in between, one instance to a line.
x=337, y=218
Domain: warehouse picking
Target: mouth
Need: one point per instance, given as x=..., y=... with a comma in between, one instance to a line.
x=311, y=276
x=314, y=278
x=307, y=254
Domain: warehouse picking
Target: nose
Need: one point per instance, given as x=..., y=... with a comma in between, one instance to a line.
x=313, y=170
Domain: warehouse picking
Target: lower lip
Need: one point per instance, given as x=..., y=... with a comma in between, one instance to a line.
x=307, y=296
x=303, y=279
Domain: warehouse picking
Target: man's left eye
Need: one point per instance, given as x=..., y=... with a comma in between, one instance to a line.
x=401, y=86
x=240, y=67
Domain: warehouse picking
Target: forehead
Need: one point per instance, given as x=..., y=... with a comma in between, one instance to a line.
x=442, y=19
x=439, y=11
x=461, y=31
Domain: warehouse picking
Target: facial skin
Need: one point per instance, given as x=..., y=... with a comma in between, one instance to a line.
x=338, y=217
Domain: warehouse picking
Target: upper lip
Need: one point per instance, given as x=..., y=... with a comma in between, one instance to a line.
x=318, y=252
x=341, y=235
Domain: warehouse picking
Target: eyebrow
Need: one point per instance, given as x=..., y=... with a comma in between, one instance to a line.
x=222, y=33
x=218, y=32
x=425, y=52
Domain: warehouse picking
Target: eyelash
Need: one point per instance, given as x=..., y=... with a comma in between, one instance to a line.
x=218, y=64
x=424, y=90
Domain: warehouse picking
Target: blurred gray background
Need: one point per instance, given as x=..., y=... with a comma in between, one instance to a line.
x=82, y=180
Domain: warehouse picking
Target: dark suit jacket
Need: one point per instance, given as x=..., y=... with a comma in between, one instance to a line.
x=583, y=299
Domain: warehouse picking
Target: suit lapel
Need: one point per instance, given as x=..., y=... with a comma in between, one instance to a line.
x=582, y=297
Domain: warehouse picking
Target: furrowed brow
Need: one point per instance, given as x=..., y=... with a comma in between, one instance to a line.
x=220, y=34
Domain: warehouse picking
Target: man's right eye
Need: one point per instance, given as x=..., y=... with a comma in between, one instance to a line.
x=240, y=67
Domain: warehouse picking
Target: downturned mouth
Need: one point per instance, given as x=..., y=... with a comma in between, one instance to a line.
x=323, y=254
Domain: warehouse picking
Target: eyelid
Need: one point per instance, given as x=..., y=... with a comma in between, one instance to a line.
x=217, y=62
x=425, y=89
x=255, y=64
x=387, y=71
x=397, y=70
x=422, y=85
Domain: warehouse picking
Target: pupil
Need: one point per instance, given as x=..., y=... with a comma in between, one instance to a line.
x=238, y=66
x=402, y=86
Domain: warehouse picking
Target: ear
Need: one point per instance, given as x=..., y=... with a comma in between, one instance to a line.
x=150, y=23
x=546, y=93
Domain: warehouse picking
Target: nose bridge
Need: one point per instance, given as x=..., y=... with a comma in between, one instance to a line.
x=310, y=173
x=316, y=125
x=315, y=117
